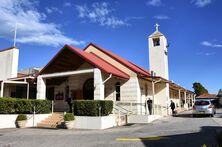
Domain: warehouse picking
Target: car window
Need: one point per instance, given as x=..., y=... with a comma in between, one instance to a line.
x=202, y=103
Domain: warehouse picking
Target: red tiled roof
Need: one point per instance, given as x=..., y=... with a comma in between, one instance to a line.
x=19, y=75
x=100, y=63
x=130, y=65
x=206, y=96
x=93, y=60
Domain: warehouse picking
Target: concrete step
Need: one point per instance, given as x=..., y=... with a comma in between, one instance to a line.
x=54, y=121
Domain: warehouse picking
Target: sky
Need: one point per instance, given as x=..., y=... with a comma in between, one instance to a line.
x=192, y=28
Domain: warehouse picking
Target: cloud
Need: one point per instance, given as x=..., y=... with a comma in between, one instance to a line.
x=53, y=9
x=155, y=3
x=67, y=4
x=134, y=18
x=32, y=27
x=201, y=3
x=209, y=44
x=161, y=17
x=101, y=14
x=206, y=53
x=209, y=54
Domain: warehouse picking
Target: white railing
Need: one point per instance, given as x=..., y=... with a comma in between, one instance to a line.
x=132, y=107
x=136, y=108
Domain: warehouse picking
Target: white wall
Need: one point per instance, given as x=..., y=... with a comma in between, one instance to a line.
x=162, y=97
x=87, y=122
x=158, y=60
x=8, y=120
x=141, y=119
x=9, y=63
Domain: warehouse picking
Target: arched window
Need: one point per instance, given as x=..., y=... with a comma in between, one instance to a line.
x=117, y=91
x=88, y=89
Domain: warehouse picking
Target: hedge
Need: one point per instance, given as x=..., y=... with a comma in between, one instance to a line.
x=24, y=106
x=92, y=107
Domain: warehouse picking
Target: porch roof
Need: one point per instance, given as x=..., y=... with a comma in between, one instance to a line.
x=139, y=70
x=90, y=58
x=171, y=84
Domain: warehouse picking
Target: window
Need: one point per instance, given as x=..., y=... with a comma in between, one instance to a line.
x=117, y=91
x=156, y=42
x=202, y=103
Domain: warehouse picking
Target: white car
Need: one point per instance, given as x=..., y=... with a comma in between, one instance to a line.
x=203, y=107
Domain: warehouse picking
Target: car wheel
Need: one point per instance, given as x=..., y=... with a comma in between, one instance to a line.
x=194, y=115
x=212, y=115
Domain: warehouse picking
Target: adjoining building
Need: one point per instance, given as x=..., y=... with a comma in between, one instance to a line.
x=95, y=73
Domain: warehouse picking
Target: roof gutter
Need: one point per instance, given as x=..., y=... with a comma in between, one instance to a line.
x=110, y=76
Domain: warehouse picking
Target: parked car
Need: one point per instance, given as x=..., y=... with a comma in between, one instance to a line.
x=204, y=107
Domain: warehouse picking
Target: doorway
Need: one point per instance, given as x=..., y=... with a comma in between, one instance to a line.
x=88, y=89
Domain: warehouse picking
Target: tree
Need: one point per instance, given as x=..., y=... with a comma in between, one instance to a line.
x=199, y=89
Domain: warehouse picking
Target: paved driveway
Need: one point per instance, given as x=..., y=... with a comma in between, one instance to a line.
x=169, y=131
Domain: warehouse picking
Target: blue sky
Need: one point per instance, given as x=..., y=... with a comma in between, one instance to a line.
x=192, y=27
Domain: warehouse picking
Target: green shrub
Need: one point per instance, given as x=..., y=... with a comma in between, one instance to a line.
x=69, y=117
x=93, y=107
x=21, y=117
x=24, y=106
x=7, y=106
x=42, y=106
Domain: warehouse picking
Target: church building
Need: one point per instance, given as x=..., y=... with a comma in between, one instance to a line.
x=95, y=73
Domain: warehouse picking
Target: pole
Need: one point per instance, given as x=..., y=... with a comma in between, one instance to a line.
x=15, y=34
x=33, y=116
x=52, y=106
x=27, y=90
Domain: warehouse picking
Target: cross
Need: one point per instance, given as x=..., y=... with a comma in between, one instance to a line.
x=157, y=26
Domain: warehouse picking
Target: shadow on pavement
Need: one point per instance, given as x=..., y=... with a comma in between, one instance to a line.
x=190, y=115
x=206, y=136
x=183, y=115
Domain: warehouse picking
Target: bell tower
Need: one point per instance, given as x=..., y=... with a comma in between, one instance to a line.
x=158, y=58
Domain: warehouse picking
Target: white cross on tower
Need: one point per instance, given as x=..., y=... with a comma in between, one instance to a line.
x=157, y=26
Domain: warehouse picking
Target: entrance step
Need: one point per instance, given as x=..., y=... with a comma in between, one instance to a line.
x=53, y=121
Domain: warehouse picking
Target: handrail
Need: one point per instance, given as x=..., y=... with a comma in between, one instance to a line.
x=123, y=108
x=38, y=112
x=120, y=111
x=131, y=104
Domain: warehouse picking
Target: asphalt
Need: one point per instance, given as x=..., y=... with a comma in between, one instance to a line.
x=182, y=130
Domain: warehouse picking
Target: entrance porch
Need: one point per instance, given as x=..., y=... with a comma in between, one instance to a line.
x=86, y=84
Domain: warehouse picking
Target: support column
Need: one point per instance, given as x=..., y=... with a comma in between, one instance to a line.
x=179, y=99
x=41, y=88
x=27, y=94
x=185, y=99
x=98, y=85
x=2, y=89
x=153, y=95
